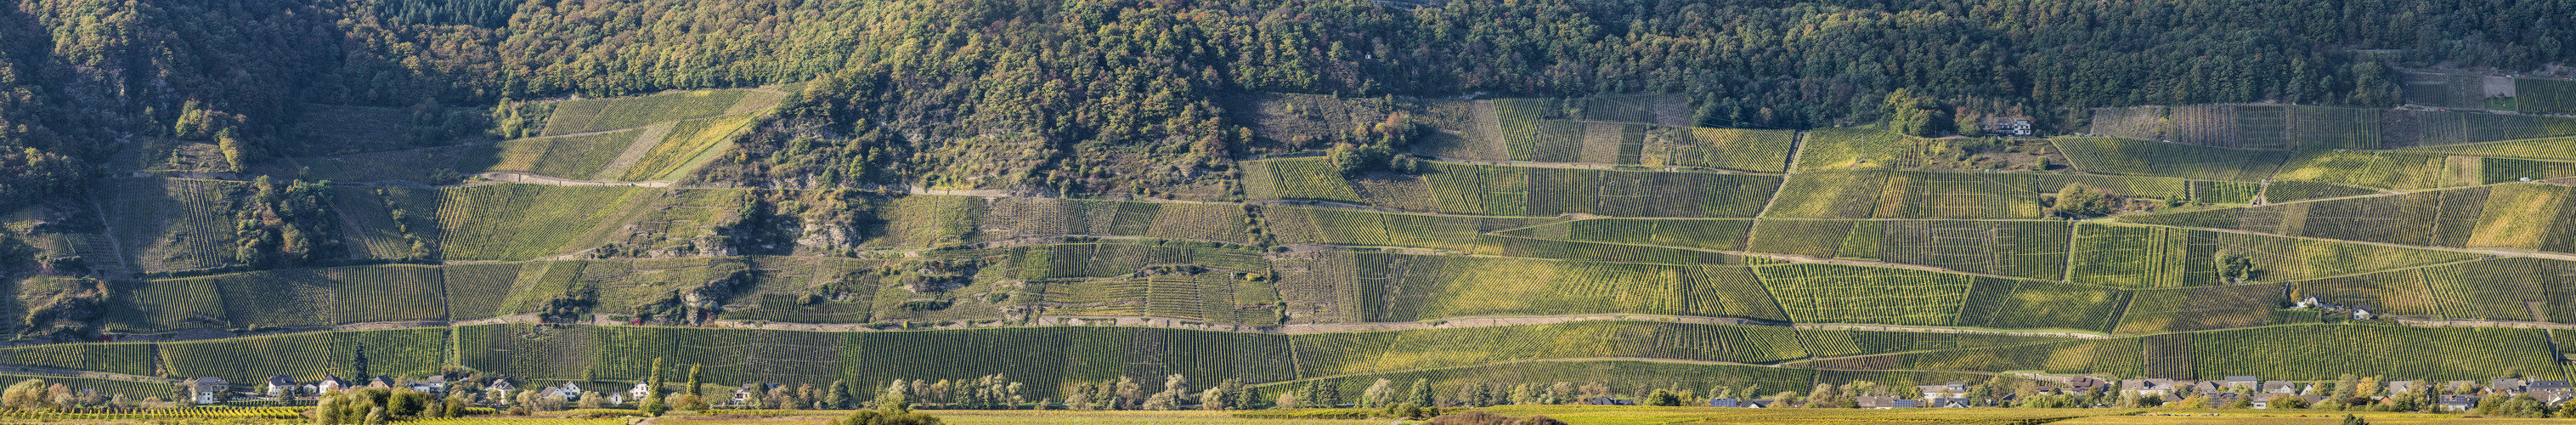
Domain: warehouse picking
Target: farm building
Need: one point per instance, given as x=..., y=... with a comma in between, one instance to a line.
x=208, y=390
x=2005, y=126
x=279, y=385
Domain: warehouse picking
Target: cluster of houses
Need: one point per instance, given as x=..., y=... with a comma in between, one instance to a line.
x=2359, y=312
x=211, y=390
x=2219, y=392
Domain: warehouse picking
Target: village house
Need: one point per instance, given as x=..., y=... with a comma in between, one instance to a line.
x=330, y=384
x=569, y=391
x=2207, y=388
x=1951, y=403
x=434, y=384
x=642, y=390
x=2279, y=387
x=2506, y=386
x=1949, y=390
x=2147, y=387
x=1876, y=402
x=208, y=390
x=501, y=388
x=2460, y=387
x=2456, y=402
x=2402, y=387
x=2551, y=392
x=279, y=386
x=1758, y=404
x=2083, y=384
x=2005, y=126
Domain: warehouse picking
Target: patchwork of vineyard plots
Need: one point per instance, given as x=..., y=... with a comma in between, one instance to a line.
x=590, y=115
x=1826, y=293
x=2162, y=257
x=1389, y=351
x=2032, y=249
x=1526, y=191
x=2110, y=155
x=1764, y=151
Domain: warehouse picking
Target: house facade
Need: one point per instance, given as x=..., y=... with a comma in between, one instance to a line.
x=208, y=390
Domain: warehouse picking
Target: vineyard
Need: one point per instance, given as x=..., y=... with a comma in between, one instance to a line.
x=1762, y=151
x=571, y=157
x=2201, y=308
x=2452, y=90
x=1519, y=119
x=1525, y=191
x=1853, y=148
x=2326, y=351
x=2033, y=249
x=2544, y=95
x=1378, y=352
x=1625, y=375
x=2385, y=170
x=476, y=291
x=1626, y=246
x=1705, y=234
x=2109, y=155
x=1820, y=293
x=1399, y=288
x=685, y=146
x=2555, y=148
x=2437, y=129
x=520, y=222
x=368, y=224
x=130, y=359
x=2505, y=216
x=172, y=224
x=309, y=356
x=1910, y=194
x=2161, y=257
x=591, y=115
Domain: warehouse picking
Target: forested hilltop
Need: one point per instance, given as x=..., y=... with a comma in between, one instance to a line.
x=1111, y=96
x=1291, y=201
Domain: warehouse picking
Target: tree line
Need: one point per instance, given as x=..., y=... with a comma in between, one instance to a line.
x=1094, y=96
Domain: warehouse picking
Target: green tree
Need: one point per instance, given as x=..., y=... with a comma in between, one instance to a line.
x=653, y=379
x=693, y=380
x=2082, y=201
x=1420, y=394
x=838, y=397
x=1662, y=397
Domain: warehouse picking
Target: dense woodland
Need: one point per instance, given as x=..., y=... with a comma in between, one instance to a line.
x=1102, y=96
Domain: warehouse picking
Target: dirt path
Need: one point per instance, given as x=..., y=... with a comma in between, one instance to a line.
x=116, y=248
x=1797, y=146
x=1587, y=166
x=47, y=371
x=526, y=178
x=2455, y=323
x=2490, y=252
x=635, y=151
